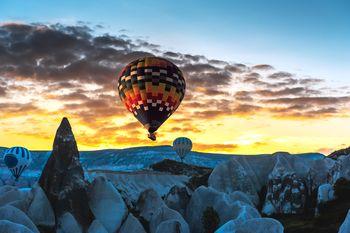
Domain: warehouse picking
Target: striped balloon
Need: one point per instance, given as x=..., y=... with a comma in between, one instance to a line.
x=17, y=159
x=182, y=146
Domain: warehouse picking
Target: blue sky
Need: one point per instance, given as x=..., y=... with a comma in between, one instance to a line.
x=304, y=37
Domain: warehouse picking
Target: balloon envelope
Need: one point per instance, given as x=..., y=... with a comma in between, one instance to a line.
x=17, y=159
x=182, y=146
x=151, y=88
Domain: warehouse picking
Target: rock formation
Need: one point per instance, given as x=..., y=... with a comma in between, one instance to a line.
x=286, y=193
x=63, y=178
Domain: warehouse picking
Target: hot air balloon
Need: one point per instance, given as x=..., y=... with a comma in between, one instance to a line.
x=151, y=88
x=17, y=159
x=182, y=146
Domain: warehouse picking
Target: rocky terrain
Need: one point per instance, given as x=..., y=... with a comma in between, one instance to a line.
x=143, y=190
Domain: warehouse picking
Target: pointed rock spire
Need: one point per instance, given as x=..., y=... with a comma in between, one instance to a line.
x=63, y=178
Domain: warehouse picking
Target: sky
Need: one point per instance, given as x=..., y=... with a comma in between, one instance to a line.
x=262, y=76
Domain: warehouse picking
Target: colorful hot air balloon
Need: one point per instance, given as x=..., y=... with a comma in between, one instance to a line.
x=182, y=146
x=151, y=88
x=17, y=159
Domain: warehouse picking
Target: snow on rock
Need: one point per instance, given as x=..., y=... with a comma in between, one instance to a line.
x=148, y=204
x=131, y=185
x=254, y=225
x=178, y=198
x=345, y=226
x=97, y=227
x=62, y=178
x=231, y=176
x=10, y=227
x=40, y=210
x=132, y=224
x=15, y=215
x=285, y=192
x=225, y=205
x=164, y=213
x=67, y=224
x=106, y=204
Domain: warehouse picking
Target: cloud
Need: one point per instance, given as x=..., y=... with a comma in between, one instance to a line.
x=309, y=100
x=75, y=67
x=263, y=67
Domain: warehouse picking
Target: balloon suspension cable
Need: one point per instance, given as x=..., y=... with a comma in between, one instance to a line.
x=152, y=136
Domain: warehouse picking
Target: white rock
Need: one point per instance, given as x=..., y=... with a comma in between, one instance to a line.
x=178, y=198
x=10, y=195
x=132, y=224
x=243, y=216
x=40, y=210
x=345, y=226
x=225, y=205
x=164, y=214
x=97, y=227
x=67, y=224
x=325, y=193
x=169, y=226
x=149, y=202
x=254, y=225
x=106, y=204
x=6, y=188
x=132, y=184
x=10, y=227
x=15, y=215
x=231, y=176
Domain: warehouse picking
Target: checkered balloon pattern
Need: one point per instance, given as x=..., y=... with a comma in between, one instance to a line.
x=151, y=88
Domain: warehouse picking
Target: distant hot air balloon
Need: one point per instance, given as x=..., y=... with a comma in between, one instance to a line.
x=17, y=159
x=151, y=88
x=182, y=146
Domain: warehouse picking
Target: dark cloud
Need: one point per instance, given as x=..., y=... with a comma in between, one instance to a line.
x=309, y=100
x=295, y=91
x=243, y=96
x=3, y=91
x=263, y=67
x=280, y=75
x=62, y=57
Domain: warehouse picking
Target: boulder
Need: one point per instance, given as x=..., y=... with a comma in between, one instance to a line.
x=254, y=225
x=10, y=227
x=325, y=193
x=96, y=227
x=67, y=224
x=177, y=199
x=106, y=204
x=164, y=214
x=15, y=215
x=245, y=214
x=8, y=195
x=169, y=226
x=149, y=202
x=62, y=178
x=40, y=210
x=231, y=176
x=226, y=206
x=345, y=226
x=133, y=225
